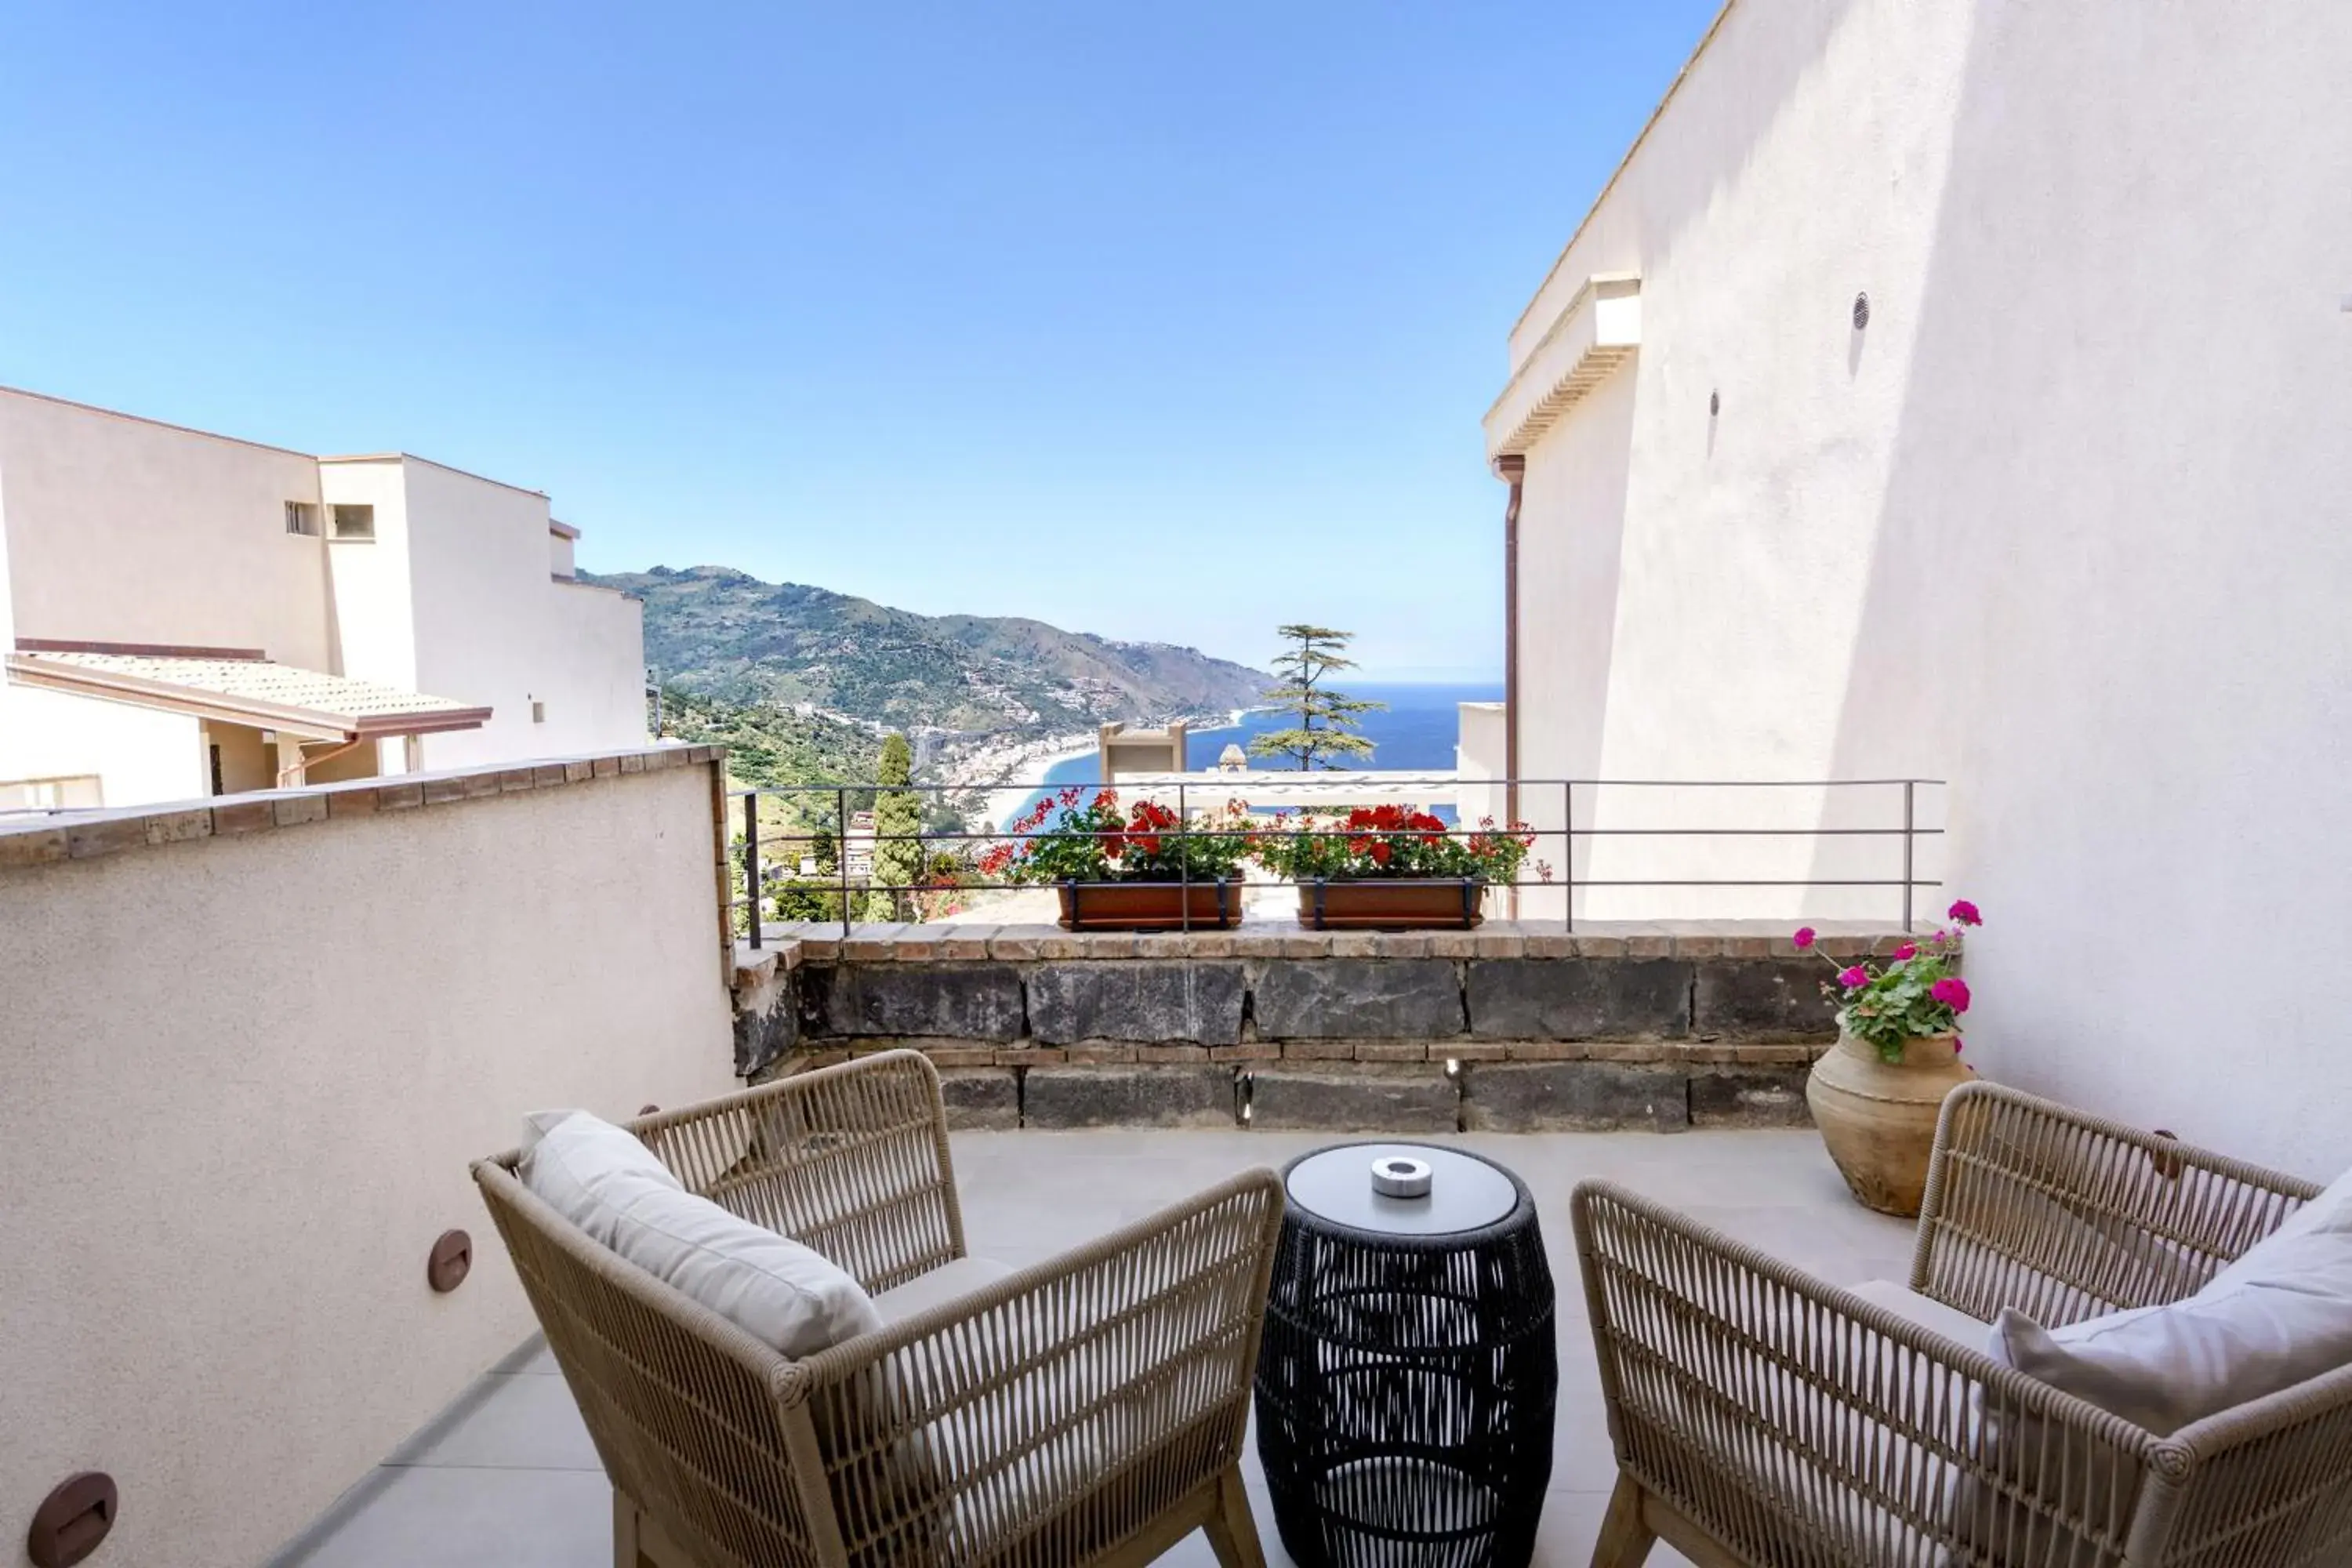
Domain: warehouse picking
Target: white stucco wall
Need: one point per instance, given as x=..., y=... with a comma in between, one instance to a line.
x=139, y=755
x=231, y=1135
x=130, y=532
x=493, y=629
x=374, y=600
x=122, y=529
x=2064, y=524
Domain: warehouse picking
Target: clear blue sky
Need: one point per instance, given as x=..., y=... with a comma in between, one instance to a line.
x=1169, y=321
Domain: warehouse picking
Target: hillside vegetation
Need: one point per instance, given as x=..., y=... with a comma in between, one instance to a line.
x=724, y=635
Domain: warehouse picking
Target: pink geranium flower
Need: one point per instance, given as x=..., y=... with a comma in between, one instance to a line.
x=1804, y=938
x=1856, y=978
x=1908, y=950
x=1952, y=991
x=1965, y=914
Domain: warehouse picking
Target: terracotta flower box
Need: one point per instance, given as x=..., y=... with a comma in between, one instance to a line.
x=1414, y=903
x=1151, y=906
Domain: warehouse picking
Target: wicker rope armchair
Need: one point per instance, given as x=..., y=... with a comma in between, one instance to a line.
x=1762, y=1417
x=1086, y=1410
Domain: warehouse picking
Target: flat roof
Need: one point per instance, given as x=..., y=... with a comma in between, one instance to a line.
x=158, y=424
x=1648, y=125
x=429, y=462
x=262, y=445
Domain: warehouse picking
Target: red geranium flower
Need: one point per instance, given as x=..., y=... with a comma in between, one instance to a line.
x=1381, y=852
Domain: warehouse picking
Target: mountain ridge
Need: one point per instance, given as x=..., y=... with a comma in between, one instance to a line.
x=720, y=633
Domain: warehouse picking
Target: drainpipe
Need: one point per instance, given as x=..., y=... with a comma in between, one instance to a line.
x=1511, y=468
x=293, y=767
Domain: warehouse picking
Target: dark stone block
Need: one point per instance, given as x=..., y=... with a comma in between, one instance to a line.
x=1359, y=999
x=767, y=1026
x=1365, y=1100
x=1764, y=999
x=1748, y=1096
x=1580, y=998
x=1546, y=1097
x=1127, y=1096
x=952, y=1001
x=981, y=1097
x=1195, y=1004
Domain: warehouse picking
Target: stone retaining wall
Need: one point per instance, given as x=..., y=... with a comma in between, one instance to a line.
x=1506, y=1029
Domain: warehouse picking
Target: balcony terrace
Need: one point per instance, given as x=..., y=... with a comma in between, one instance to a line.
x=239, y=1158
x=506, y=1477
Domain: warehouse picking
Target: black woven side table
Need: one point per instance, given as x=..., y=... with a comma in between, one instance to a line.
x=1406, y=1381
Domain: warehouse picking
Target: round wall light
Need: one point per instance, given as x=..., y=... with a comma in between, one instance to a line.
x=452, y=1258
x=72, y=1520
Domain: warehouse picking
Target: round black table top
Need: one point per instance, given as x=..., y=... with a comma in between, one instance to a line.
x=1466, y=1193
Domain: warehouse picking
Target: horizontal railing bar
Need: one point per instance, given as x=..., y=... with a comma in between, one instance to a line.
x=948, y=835
x=1374, y=833
x=1292, y=882
x=1336, y=784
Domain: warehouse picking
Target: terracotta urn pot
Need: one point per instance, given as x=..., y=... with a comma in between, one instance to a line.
x=1878, y=1117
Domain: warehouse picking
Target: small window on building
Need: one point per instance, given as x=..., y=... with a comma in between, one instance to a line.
x=355, y=523
x=537, y=713
x=302, y=517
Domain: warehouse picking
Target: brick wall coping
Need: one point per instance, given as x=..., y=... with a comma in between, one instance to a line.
x=86, y=835
x=787, y=946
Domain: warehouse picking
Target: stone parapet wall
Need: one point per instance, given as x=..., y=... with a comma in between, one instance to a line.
x=1504, y=1028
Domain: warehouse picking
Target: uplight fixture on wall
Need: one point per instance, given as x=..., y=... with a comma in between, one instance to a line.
x=1861, y=311
x=1714, y=404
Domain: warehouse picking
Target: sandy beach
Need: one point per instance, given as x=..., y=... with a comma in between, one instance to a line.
x=1008, y=772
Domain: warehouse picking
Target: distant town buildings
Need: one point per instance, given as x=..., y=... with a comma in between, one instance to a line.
x=185, y=614
x=857, y=847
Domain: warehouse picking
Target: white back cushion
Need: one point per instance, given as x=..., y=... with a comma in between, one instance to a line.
x=2281, y=1314
x=2328, y=1213
x=613, y=1187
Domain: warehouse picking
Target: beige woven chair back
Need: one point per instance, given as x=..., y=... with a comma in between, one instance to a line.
x=1089, y=1409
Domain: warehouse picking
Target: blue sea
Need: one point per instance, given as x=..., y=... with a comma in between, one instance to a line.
x=1418, y=730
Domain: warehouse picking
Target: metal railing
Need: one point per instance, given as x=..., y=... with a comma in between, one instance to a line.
x=759, y=880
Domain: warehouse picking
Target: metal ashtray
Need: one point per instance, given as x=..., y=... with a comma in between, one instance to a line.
x=1401, y=1176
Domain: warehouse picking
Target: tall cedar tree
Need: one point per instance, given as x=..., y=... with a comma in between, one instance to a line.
x=1326, y=718
x=898, y=817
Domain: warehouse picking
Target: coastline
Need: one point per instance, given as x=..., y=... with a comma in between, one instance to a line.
x=996, y=774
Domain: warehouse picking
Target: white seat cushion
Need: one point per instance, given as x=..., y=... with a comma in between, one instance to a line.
x=945, y=1283
x=1945, y=1322
x=601, y=1179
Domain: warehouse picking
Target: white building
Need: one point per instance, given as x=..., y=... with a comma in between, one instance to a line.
x=185, y=614
x=1965, y=390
